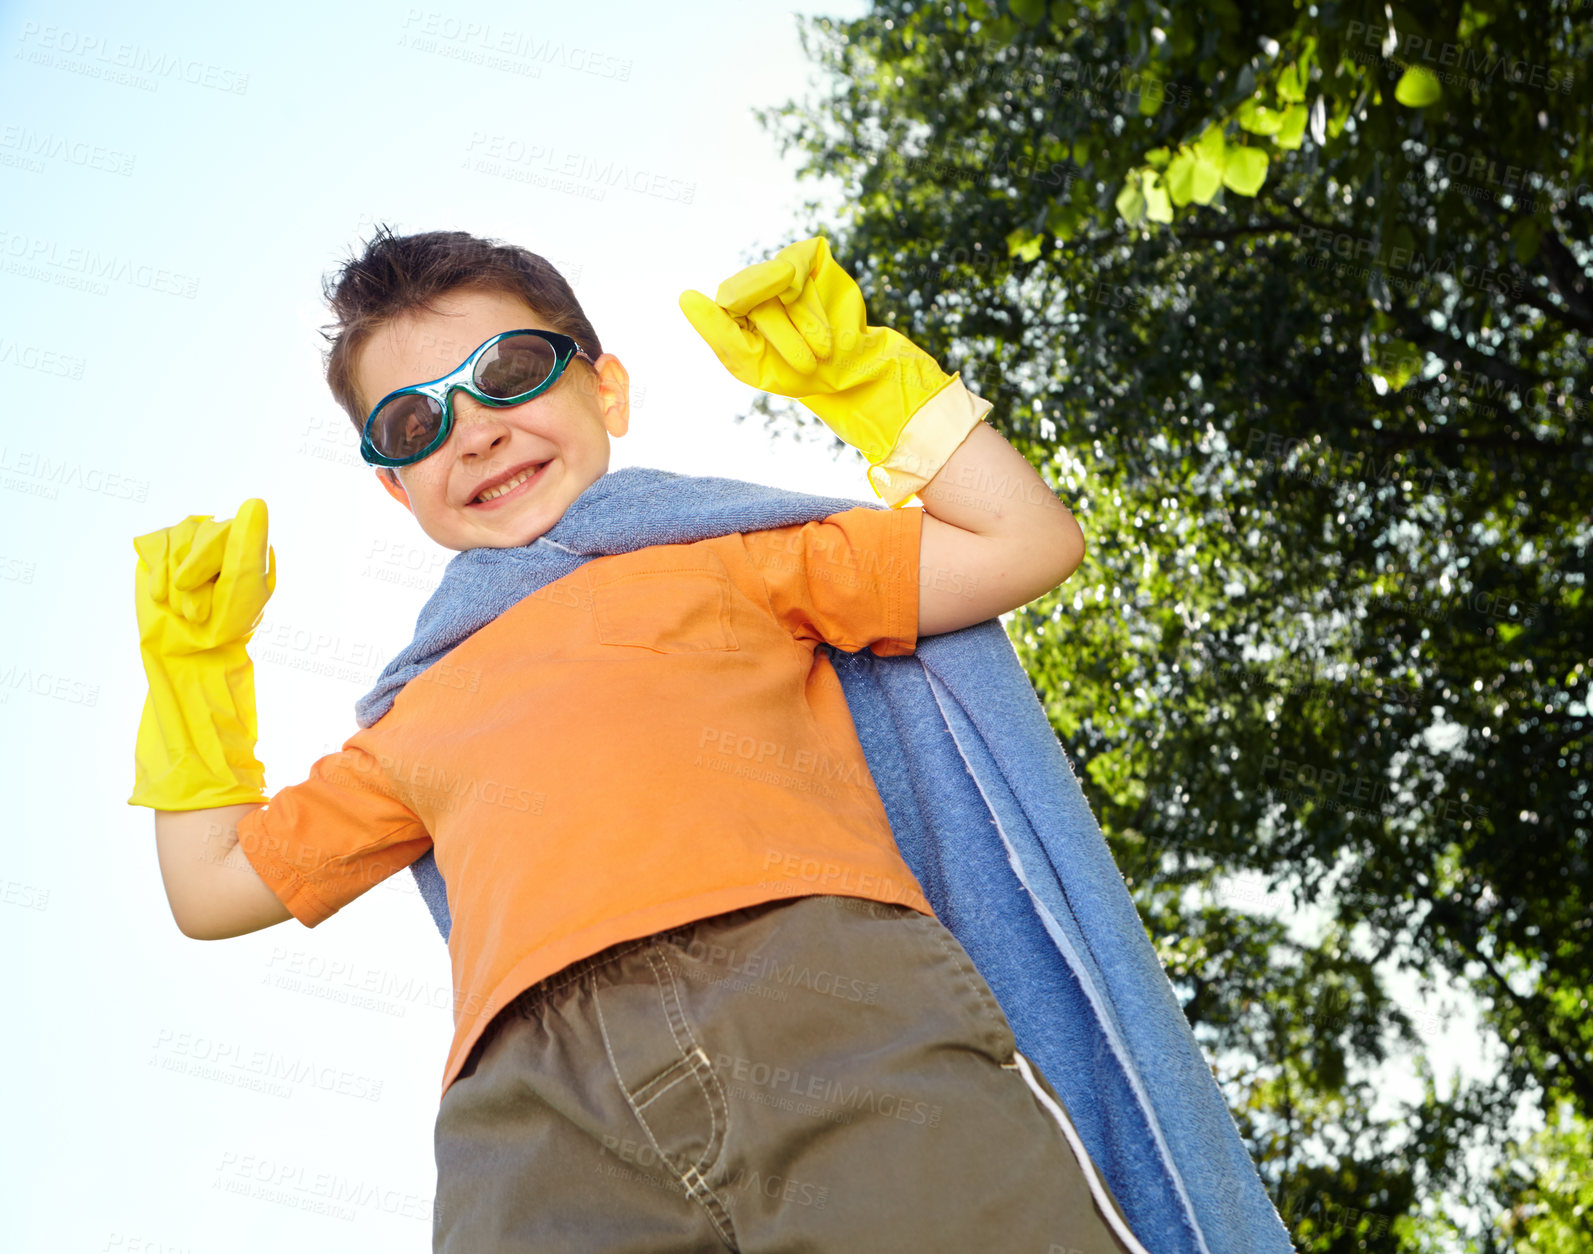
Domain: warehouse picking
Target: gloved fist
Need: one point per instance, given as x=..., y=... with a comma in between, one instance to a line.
x=200, y=590
x=201, y=583
x=795, y=325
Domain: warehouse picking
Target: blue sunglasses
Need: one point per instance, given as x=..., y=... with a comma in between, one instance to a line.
x=412, y=423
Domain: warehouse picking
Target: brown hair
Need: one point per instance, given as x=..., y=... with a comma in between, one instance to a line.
x=402, y=273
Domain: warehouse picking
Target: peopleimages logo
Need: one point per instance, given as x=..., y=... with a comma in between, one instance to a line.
x=45, y=474
x=234, y=1063
x=44, y=360
x=485, y=152
x=128, y=64
x=317, y=1192
x=38, y=146
x=434, y=31
x=36, y=257
x=1457, y=63
x=839, y=1095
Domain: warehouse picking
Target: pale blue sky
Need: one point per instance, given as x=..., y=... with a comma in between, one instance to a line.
x=209, y=215
x=175, y=179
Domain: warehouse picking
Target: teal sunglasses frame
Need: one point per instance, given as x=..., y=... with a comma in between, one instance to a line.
x=463, y=379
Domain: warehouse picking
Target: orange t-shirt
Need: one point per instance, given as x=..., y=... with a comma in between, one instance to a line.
x=651, y=739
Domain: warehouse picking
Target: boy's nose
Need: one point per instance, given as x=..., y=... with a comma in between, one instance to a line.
x=477, y=426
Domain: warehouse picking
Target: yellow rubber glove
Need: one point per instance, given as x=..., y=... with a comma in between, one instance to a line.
x=795, y=326
x=201, y=589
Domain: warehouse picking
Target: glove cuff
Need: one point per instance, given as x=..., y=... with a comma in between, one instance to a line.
x=177, y=793
x=196, y=737
x=927, y=442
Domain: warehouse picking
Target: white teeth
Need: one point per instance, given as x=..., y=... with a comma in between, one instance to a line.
x=494, y=493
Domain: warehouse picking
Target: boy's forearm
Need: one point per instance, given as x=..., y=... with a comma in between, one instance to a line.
x=989, y=488
x=199, y=866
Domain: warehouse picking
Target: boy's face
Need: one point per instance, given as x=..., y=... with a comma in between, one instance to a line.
x=563, y=433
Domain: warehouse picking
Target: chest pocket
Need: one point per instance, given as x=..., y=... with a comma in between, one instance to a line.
x=683, y=608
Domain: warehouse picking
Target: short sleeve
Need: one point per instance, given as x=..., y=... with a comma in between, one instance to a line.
x=320, y=844
x=849, y=580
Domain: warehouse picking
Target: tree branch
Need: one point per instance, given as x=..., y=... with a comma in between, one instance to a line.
x=1535, y=1017
x=1569, y=279
x=1256, y=228
x=1449, y=347
x=1535, y=300
x=1566, y=277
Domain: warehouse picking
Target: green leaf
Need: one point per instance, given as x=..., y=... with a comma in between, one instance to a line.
x=1002, y=30
x=1307, y=56
x=1396, y=362
x=1150, y=94
x=1157, y=207
x=1525, y=236
x=1211, y=158
x=1208, y=178
x=1023, y=244
x=1226, y=12
x=1291, y=83
x=1258, y=119
x=1245, y=171
x=1130, y=201
x=1181, y=177
x=1292, y=132
x=1182, y=38
x=1341, y=115
x=1417, y=88
x=1062, y=221
x=1029, y=12
x=1211, y=144
x=1158, y=157
x=1509, y=631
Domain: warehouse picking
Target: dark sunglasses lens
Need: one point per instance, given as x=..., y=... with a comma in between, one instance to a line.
x=405, y=425
x=515, y=365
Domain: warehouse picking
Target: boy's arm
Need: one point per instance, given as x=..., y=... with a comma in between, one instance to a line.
x=213, y=890
x=200, y=588
x=994, y=537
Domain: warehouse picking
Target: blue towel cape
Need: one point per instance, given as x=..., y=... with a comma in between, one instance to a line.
x=989, y=817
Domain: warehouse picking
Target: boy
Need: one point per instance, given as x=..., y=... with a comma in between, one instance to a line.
x=613, y=1083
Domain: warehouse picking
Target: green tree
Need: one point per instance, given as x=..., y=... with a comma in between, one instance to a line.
x=1292, y=305
x=1552, y=1193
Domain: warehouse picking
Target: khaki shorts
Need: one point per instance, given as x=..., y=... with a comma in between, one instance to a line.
x=811, y=1074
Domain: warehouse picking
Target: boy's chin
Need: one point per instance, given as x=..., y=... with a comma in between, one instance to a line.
x=463, y=538
x=513, y=534
x=516, y=541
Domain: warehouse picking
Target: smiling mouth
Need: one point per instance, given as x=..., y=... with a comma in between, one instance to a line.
x=505, y=489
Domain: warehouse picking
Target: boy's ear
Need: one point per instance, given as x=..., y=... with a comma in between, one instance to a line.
x=614, y=393
x=394, y=490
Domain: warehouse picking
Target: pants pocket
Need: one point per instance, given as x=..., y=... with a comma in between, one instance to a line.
x=663, y=1069
x=969, y=992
